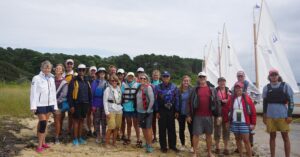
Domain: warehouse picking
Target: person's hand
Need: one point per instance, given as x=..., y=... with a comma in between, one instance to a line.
x=227, y=125
x=93, y=109
x=252, y=127
x=224, y=101
x=289, y=120
x=265, y=119
x=219, y=120
x=189, y=119
x=72, y=110
x=157, y=115
x=108, y=116
x=176, y=115
x=33, y=111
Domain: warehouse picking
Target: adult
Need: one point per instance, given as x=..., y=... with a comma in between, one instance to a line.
x=91, y=77
x=240, y=114
x=43, y=101
x=155, y=81
x=139, y=72
x=112, y=100
x=204, y=105
x=129, y=88
x=112, y=70
x=278, y=106
x=144, y=106
x=167, y=109
x=61, y=97
x=185, y=90
x=223, y=94
x=121, y=76
x=99, y=118
x=79, y=99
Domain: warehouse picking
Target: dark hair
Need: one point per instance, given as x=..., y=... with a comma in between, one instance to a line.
x=279, y=78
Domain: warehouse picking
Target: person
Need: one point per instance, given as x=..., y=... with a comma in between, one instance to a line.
x=89, y=118
x=43, y=101
x=69, y=75
x=144, y=106
x=167, y=109
x=61, y=96
x=204, y=105
x=223, y=94
x=155, y=81
x=184, y=94
x=254, y=94
x=139, y=71
x=112, y=100
x=79, y=99
x=278, y=104
x=240, y=114
x=99, y=118
x=129, y=88
x=121, y=76
x=112, y=70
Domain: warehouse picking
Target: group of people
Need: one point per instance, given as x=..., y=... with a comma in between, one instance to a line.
x=118, y=100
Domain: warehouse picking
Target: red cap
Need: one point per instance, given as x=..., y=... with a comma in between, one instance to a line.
x=273, y=71
x=240, y=84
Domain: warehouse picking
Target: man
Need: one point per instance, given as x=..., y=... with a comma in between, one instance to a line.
x=254, y=94
x=79, y=99
x=278, y=106
x=92, y=76
x=204, y=104
x=155, y=81
x=167, y=109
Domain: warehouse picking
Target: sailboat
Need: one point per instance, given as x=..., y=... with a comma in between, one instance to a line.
x=269, y=52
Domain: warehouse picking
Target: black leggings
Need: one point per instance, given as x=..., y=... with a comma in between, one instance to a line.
x=182, y=122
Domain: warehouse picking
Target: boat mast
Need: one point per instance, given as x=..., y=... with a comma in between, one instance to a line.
x=204, y=63
x=219, y=54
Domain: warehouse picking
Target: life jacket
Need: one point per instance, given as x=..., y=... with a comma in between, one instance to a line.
x=276, y=95
x=145, y=96
x=129, y=93
x=69, y=78
x=76, y=89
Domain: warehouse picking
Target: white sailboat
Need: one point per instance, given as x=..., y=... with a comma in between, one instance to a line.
x=212, y=65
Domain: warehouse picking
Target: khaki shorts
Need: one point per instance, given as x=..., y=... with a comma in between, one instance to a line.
x=115, y=121
x=277, y=124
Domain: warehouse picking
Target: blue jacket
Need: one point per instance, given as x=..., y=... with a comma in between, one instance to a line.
x=167, y=94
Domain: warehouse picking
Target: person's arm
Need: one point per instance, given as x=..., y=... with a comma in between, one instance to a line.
x=33, y=94
x=265, y=103
x=105, y=101
x=157, y=98
x=70, y=94
x=218, y=103
x=226, y=110
x=253, y=110
x=176, y=99
x=53, y=90
x=94, y=86
x=290, y=94
x=151, y=98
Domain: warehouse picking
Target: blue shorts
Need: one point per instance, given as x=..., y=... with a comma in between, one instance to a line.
x=240, y=128
x=127, y=114
x=44, y=109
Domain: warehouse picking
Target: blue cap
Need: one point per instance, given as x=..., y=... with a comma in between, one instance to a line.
x=166, y=73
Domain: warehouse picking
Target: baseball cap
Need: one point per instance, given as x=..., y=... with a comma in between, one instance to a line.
x=140, y=69
x=202, y=74
x=239, y=84
x=273, y=71
x=101, y=69
x=122, y=71
x=93, y=68
x=130, y=74
x=81, y=66
x=69, y=60
x=166, y=73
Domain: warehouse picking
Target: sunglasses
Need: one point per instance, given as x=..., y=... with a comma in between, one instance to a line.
x=202, y=76
x=143, y=78
x=166, y=76
x=274, y=74
x=81, y=69
x=69, y=63
x=240, y=76
x=113, y=81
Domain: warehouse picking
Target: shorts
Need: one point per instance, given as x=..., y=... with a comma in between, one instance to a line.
x=240, y=128
x=80, y=110
x=127, y=114
x=218, y=129
x=145, y=120
x=115, y=121
x=202, y=125
x=277, y=124
x=44, y=109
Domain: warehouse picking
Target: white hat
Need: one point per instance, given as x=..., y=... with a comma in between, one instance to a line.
x=122, y=71
x=130, y=74
x=69, y=60
x=101, y=69
x=81, y=66
x=93, y=68
x=140, y=69
x=202, y=74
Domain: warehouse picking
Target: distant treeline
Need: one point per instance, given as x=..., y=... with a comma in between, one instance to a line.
x=22, y=64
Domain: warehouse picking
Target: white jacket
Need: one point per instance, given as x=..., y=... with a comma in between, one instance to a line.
x=43, y=92
x=114, y=94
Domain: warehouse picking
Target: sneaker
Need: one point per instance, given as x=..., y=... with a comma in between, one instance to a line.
x=192, y=150
x=75, y=142
x=97, y=141
x=57, y=140
x=39, y=149
x=89, y=133
x=81, y=141
x=45, y=146
x=182, y=148
x=154, y=140
x=149, y=149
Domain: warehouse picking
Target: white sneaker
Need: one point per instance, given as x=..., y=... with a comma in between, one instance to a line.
x=192, y=150
x=182, y=148
x=98, y=141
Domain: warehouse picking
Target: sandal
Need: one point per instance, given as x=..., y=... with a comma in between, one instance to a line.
x=126, y=142
x=139, y=144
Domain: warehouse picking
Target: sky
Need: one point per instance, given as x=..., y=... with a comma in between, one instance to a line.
x=134, y=27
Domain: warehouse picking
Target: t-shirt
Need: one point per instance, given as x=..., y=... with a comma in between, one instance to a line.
x=204, y=102
x=277, y=110
x=238, y=107
x=57, y=83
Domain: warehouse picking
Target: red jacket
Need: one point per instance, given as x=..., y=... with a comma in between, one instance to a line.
x=250, y=119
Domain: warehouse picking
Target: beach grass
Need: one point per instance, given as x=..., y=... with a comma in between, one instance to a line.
x=14, y=100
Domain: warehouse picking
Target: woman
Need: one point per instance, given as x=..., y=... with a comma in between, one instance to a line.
x=185, y=90
x=240, y=112
x=112, y=99
x=155, y=81
x=61, y=96
x=98, y=87
x=144, y=106
x=43, y=101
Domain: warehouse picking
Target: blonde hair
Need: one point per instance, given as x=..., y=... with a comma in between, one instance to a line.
x=113, y=77
x=62, y=66
x=181, y=84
